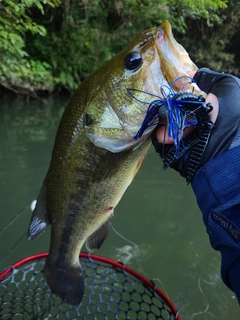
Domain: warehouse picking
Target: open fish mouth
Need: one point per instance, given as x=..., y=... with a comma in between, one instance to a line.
x=175, y=61
x=173, y=52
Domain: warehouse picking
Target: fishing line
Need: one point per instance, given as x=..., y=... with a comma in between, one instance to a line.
x=138, y=262
x=129, y=90
x=14, y=247
x=14, y=219
x=179, y=109
x=205, y=298
x=18, y=214
x=31, y=206
x=191, y=80
x=121, y=236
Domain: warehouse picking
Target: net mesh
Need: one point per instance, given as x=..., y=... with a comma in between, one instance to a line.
x=110, y=293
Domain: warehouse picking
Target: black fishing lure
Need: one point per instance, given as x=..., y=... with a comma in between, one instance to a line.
x=177, y=111
x=195, y=142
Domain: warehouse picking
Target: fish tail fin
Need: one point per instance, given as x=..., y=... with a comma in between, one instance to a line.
x=67, y=282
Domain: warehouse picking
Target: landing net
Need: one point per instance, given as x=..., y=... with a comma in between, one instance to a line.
x=112, y=291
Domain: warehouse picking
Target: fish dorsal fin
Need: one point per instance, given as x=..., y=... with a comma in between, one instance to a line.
x=40, y=219
x=95, y=240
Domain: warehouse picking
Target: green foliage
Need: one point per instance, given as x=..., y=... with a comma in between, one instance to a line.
x=17, y=68
x=216, y=45
x=54, y=44
x=208, y=10
x=89, y=35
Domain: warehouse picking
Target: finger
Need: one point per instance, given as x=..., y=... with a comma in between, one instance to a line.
x=163, y=137
x=188, y=130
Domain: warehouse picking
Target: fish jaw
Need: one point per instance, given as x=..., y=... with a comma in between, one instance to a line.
x=175, y=61
x=173, y=51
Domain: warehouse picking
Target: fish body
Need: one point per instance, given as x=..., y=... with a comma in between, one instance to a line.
x=95, y=157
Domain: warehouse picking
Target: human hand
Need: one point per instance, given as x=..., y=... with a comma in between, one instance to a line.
x=221, y=89
x=162, y=134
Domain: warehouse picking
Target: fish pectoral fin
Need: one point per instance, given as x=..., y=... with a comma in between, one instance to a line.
x=109, y=164
x=95, y=240
x=40, y=218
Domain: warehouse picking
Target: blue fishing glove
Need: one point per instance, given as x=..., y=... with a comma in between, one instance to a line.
x=216, y=178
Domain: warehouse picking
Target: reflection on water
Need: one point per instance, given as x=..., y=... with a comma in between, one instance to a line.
x=157, y=214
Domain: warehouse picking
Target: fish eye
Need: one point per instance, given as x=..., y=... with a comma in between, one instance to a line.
x=133, y=60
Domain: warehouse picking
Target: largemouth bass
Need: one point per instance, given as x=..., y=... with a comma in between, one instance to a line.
x=95, y=157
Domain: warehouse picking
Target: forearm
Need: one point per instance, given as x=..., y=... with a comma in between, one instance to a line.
x=216, y=186
x=216, y=181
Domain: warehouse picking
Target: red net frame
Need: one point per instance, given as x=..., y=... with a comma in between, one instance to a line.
x=117, y=265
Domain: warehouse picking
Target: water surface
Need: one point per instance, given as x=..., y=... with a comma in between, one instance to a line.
x=165, y=238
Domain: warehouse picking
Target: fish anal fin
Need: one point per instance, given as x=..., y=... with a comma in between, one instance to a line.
x=95, y=240
x=40, y=219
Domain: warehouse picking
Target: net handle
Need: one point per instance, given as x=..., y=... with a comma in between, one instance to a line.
x=145, y=281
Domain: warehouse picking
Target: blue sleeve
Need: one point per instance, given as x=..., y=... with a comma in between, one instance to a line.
x=217, y=189
x=227, y=88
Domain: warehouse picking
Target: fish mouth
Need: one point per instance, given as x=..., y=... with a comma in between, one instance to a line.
x=115, y=131
x=175, y=61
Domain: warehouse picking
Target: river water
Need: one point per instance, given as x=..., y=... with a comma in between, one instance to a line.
x=160, y=232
